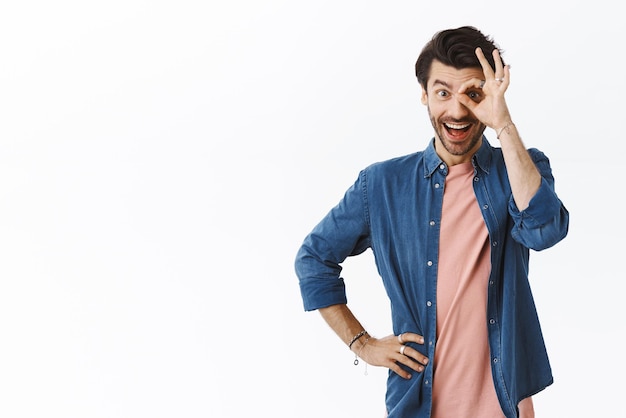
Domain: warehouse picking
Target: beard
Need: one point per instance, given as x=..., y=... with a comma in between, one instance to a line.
x=458, y=148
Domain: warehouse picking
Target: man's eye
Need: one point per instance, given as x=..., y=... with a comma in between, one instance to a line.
x=474, y=95
x=442, y=93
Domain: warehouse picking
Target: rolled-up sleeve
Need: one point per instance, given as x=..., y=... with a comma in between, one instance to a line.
x=545, y=221
x=343, y=232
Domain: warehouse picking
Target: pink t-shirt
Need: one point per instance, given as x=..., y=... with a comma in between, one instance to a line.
x=462, y=383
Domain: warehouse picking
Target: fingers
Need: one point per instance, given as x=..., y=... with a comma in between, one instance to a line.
x=407, y=352
x=506, y=75
x=409, y=356
x=396, y=353
x=473, y=86
x=487, y=70
x=410, y=337
x=498, y=62
x=501, y=73
x=412, y=358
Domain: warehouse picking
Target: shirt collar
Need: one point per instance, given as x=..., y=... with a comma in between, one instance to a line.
x=481, y=159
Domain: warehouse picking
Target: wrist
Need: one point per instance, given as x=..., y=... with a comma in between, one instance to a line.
x=360, y=343
x=505, y=129
x=357, y=353
x=355, y=339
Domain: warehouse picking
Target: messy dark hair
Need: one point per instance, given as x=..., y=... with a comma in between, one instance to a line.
x=455, y=48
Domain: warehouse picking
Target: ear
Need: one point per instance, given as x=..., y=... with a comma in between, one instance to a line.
x=424, y=97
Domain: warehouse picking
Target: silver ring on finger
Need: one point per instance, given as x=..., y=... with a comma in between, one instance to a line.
x=482, y=84
x=500, y=79
x=400, y=339
x=402, y=349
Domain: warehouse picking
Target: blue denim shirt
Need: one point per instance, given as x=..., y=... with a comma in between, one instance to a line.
x=394, y=208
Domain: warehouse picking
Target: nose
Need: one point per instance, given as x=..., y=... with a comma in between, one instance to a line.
x=456, y=109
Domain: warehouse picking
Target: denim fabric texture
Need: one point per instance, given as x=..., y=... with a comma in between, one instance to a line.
x=394, y=209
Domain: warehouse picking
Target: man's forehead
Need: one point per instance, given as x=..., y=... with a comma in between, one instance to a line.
x=448, y=75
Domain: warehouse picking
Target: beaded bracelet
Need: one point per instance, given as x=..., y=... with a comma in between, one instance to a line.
x=356, y=337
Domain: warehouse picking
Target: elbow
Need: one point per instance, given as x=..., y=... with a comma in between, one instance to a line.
x=548, y=235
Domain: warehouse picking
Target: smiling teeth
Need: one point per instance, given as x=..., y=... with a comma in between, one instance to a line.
x=457, y=126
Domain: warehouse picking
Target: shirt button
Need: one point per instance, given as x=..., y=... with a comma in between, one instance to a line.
x=432, y=223
x=495, y=360
x=490, y=282
x=429, y=303
x=495, y=243
x=430, y=263
x=425, y=382
x=476, y=178
x=442, y=166
x=436, y=185
x=492, y=321
x=485, y=206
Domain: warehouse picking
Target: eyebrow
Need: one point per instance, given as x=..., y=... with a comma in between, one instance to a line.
x=443, y=83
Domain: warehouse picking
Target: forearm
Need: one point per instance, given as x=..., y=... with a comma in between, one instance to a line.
x=341, y=320
x=523, y=174
x=387, y=352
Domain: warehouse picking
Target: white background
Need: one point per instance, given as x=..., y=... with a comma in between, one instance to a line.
x=161, y=162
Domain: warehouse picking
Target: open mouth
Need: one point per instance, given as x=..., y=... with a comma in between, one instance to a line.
x=457, y=130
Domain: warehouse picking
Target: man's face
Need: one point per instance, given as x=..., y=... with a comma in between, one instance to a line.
x=457, y=131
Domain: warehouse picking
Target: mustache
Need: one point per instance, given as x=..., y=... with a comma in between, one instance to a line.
x=459, y=121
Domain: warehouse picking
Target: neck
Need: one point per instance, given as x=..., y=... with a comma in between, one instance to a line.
x=454, y=159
